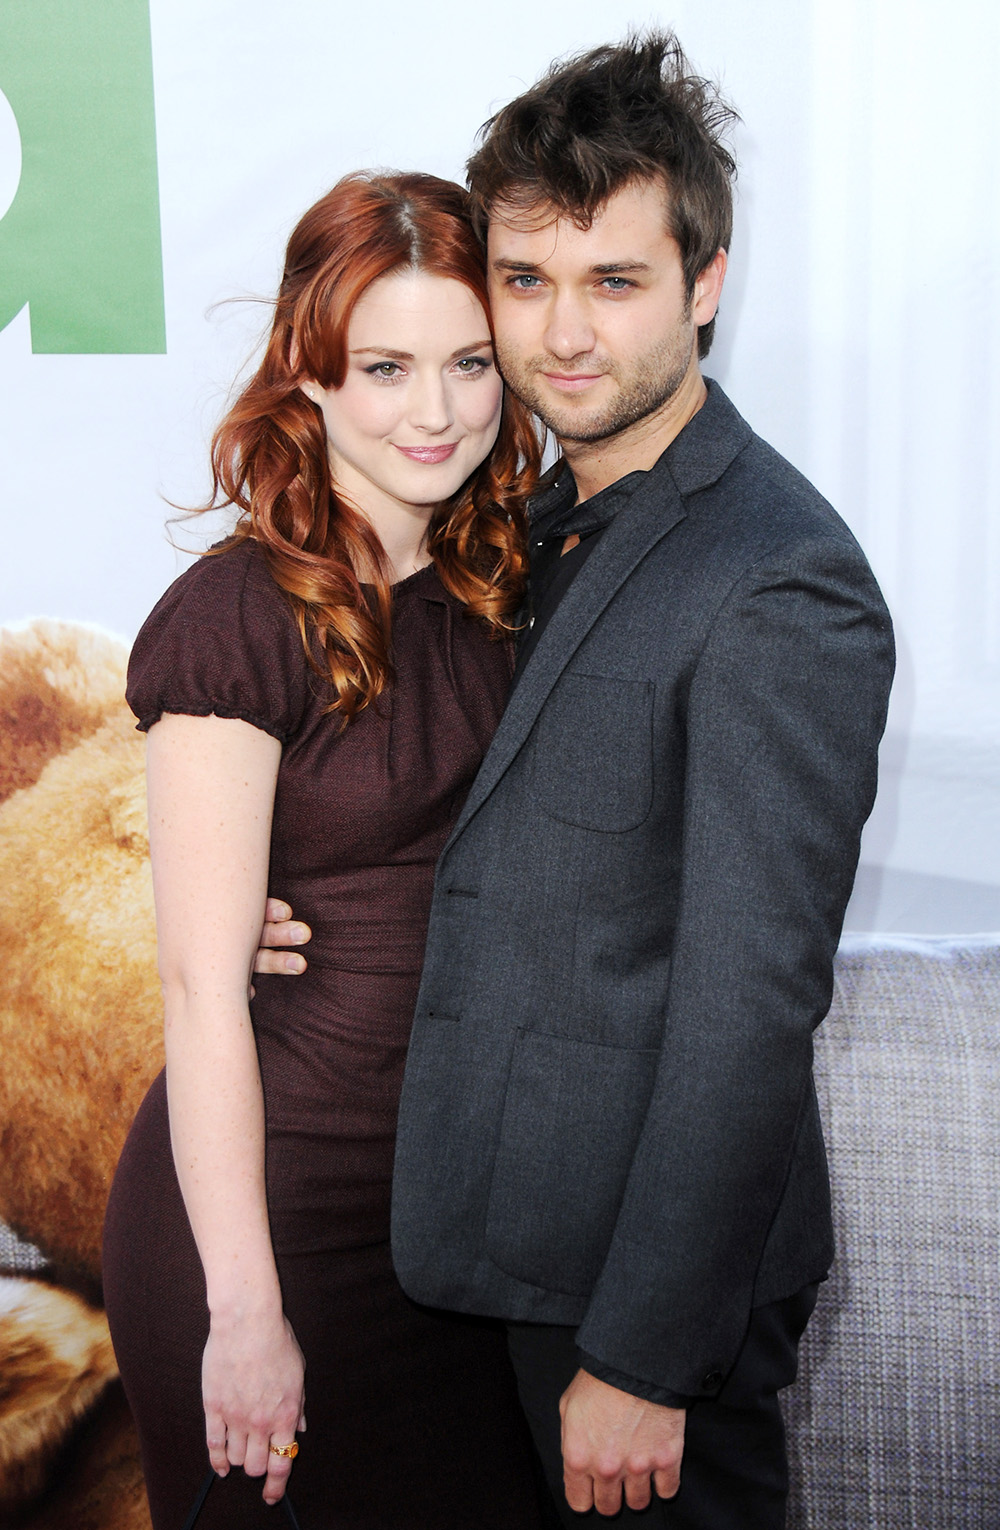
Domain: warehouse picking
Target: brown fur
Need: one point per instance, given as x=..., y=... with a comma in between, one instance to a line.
x=58, y=683
x=57, y=1360
x=80, y=1039
x=97, y=1485
x=80, y=1016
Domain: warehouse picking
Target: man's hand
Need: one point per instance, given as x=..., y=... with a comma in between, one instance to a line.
x=611, y=1439
x=280, y=930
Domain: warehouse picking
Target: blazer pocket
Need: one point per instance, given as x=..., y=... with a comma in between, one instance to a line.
x=594, y=752
x=573, y=1113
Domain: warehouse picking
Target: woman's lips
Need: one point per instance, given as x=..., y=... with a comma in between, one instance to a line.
x=427, y=453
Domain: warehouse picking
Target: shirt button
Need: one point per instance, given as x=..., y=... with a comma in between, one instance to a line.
x=712, y=1380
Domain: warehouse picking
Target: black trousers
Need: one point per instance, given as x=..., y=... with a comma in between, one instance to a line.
x=734, y=1473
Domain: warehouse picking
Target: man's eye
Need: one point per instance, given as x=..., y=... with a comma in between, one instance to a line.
x=617, y=283
x=524, y=283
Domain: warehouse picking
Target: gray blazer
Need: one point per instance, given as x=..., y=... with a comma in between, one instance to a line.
x=608, y=1118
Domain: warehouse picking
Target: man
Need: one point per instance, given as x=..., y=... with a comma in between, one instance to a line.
x=609, y=1134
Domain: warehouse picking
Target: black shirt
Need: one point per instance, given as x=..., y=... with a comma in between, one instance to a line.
x=555, y=515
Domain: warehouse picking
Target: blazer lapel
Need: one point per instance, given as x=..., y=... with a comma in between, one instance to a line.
x=699, y=456
x=653, y=510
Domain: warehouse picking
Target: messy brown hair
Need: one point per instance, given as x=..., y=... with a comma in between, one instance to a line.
x=602, y=120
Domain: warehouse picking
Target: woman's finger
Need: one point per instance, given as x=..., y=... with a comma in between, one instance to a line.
x=278, y=1471
x=256, y=1462
x=215, y=1435
x=278, y=1430
x=236, y=1445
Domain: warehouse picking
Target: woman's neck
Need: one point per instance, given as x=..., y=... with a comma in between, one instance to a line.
x=405, y=551
x=402, y=530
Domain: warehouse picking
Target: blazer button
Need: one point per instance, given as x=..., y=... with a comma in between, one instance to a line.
x=711, y=1381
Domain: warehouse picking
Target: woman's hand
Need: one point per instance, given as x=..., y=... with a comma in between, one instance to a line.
x=253, y=1388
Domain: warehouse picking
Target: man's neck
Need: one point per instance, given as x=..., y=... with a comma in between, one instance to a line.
x=598, y=464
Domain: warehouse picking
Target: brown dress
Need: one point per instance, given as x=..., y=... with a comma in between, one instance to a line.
x=413, y=1422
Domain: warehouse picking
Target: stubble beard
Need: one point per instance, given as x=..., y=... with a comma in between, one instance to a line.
x=644, y=387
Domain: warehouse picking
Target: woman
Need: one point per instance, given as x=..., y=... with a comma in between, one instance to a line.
x=318, y=694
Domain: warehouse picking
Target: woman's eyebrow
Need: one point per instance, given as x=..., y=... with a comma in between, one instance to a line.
x=382, y=350
x=393, y=355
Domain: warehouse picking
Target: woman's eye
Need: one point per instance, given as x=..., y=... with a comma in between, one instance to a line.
x=383, y=369
x=471, y=366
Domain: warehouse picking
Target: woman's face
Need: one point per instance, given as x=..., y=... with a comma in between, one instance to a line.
x=419, y=408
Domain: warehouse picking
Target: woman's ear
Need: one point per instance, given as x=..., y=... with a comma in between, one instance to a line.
x=307, y=385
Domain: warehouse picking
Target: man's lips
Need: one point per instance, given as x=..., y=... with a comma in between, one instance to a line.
x=572, y=382
x=429, y=454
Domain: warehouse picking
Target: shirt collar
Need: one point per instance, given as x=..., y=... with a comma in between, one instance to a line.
x=555, y=512
x=696, y=458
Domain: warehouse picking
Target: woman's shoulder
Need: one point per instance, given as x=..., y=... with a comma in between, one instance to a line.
x=223, y=639
x=226, y=577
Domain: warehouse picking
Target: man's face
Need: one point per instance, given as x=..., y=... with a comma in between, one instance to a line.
x=594, y=330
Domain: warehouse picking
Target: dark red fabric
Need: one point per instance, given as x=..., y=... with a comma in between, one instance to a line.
x=413, y=1422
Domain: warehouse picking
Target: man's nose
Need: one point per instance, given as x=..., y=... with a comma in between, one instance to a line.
x=569, y=331
x=431, y=409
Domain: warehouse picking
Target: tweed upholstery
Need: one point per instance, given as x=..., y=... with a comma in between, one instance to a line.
x=17, y=1258
x=894, y=1423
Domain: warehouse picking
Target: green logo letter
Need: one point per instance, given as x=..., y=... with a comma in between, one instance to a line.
x=81, y=241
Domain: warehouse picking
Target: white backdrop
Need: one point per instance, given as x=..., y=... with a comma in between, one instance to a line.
x=858, y=331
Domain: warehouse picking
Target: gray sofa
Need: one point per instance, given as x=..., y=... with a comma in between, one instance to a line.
x=894, y=1422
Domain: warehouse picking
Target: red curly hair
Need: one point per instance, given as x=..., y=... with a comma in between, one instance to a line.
x=269, y=455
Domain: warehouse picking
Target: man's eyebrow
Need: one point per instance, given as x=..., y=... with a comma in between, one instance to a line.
x=393, y=355
x=619, y=267
x=515, y=265
x=606, y=268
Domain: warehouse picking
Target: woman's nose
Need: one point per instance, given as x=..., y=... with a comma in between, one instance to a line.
x=431, y=409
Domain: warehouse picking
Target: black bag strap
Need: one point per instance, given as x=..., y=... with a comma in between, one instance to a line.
x=203, y=1492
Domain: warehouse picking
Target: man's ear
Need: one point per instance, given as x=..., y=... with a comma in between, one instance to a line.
x=708, y=289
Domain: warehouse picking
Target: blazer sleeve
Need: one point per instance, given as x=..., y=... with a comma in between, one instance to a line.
x=786, y=707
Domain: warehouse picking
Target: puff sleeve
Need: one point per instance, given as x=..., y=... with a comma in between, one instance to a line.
x=223, y=641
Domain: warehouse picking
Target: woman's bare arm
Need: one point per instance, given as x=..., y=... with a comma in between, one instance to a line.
x=211, y=792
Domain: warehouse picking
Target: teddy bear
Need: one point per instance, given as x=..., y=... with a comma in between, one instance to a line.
x=80, y=1041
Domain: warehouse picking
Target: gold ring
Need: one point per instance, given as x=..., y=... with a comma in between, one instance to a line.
x=291, y=1451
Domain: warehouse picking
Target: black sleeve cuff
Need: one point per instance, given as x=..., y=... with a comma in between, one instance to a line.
x=644, y=1389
